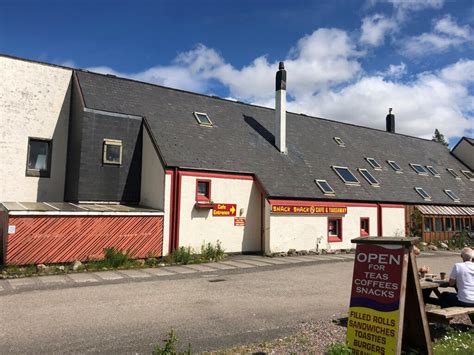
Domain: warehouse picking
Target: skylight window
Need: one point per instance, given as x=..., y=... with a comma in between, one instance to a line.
x=394, y=166
x=346, y=175
x=420, y=169
x=374, y=163
x=453, y=196
x=432, y=170
x=325, y=187
x=369, y=177
x=339, y=142
x=453, y=173
x=423, y=193
x=203, y=119
x=468, y=174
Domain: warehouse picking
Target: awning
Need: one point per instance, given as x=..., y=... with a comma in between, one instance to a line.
x=446, y=210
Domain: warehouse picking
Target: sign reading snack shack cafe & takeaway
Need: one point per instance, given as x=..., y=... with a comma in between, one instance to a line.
x=312, y=209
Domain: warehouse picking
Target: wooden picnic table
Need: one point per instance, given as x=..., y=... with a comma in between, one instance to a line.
x=432, y=285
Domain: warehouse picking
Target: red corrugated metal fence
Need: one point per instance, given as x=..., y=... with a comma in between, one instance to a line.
x=56, y=239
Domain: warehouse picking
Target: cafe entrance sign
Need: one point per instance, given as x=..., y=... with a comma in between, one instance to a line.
x=386, y=309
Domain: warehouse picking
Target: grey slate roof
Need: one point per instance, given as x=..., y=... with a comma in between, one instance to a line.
x=241, y=140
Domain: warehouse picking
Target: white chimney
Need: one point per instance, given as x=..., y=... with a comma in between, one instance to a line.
x=280, y=109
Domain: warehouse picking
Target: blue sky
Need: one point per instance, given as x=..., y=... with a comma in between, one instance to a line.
x=346, y=60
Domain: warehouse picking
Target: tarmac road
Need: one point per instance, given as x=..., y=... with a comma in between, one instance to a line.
x=210, y=310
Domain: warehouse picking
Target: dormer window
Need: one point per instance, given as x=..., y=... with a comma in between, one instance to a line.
x=112, y=152
x=453, y=173
x=325, y=187
x=339, y=142
x=369, y=177
x=468, y=174
x=394, y=166
x=420, y=169
x=374, y=163
x=423, y=193
x=452, y=195
x=203, y=119
x=346, y=175
x=432, y=170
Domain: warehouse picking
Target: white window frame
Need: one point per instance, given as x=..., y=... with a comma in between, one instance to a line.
x=466, y=174
x=201, y=123
x=339, y=142
x=335, y=167
x=432, y=170
x=416, y=171
x=399, y=170
x=453, y=173
x=107, y=142
x=374, y=184
x=452, y=195
x=418, y=189
x=379, y=167
x=332, y=192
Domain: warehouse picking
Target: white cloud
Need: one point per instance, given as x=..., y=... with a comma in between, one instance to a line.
x=446, y=34
x=375, y=27
x=411, y=5
x=395, y=71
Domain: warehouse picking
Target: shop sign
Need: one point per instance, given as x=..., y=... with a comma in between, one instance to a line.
x=239, y=221
x=312, y=209
x=224, y=209
x=11, y=229
x=374, y=313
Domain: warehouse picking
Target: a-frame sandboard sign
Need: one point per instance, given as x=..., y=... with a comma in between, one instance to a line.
x=386, y=311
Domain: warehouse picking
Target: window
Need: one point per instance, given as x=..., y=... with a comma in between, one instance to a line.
x=439, y=226
x=419, y=169
x=453, y=173
x=453, y=196
x=203, y=190
x=432, y=170
x=468, y=174
x=467, y=224
x=458, y=224
x=428, y=224
x=364, y=226
x=449, y=224
x=346, y=175
x=112, y=152
x=325, y=187
x=335, y=229
x=39, y=157
x=203, y=119
x=423, y=193
x=368, y=176
x=394, y=166
x=374, y=163
x=339, y=142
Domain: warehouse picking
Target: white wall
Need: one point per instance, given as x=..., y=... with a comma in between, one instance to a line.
x=34, y=102
x=198, y=226
x=393, y=221
x=465, y=152
x=166, y=220
x=153, y=176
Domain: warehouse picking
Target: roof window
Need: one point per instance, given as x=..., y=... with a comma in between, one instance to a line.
x=203, y=119
x=432, y=170
x=339, y=142
x=325, y=187
x=369, y=177
x=453, y=173
x=423, y=193
x=394, y=166
x=453, y=196
x=468, y=174
x=420, y=169
x=346, y=175
x=374, y=163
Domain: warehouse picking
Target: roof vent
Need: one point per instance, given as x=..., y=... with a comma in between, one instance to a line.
x=390, y=121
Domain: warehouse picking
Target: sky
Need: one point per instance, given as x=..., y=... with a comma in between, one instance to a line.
x=346, y=60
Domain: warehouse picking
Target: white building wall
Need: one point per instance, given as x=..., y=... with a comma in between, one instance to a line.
x=34, y=102
x=166, y=220
x=153, y=176
x=393, y=221
x=308, y=232
x=197, y=226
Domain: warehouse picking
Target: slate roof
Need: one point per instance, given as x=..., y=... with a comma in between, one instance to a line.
x=241, y=140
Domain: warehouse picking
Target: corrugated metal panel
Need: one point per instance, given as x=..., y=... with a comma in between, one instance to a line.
x=55, y=239
x=446, y=210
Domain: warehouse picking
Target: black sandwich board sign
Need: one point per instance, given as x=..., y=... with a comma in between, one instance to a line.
x=386, y=309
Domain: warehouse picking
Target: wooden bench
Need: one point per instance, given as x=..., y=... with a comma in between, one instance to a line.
x=445, y=315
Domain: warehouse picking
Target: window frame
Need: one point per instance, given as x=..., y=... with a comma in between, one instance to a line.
x=431, y=224
x=452, y=195
x=339, y=237
x=425, y=173
x=339, y=142
x=317, y=182
x=432, y=170
x=36, y=172
x=418, y=189
x=466, y=173
x=203, y=198
x=378, y=167
x=435, y=226
x=201, y=123
x=397, y=170
x=375, y=184
x=367, y=232
x=453, y=173
x=107, y=142
x=335, y=167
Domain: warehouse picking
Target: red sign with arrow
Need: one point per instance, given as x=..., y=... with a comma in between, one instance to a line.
x=224, y=209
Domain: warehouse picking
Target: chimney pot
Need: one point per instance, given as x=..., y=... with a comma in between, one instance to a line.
x=281, y=65
x=390, y=121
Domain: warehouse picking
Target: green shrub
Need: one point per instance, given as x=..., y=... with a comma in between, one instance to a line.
x=211, y=252
x=183, y=255
x=115, y=258
x=338, y=349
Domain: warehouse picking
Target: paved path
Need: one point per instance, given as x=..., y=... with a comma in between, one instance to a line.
x=235, y=263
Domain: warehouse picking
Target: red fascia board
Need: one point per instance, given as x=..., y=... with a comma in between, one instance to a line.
x=391, y=206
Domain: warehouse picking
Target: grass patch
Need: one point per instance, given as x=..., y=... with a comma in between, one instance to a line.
x=187, y=255
x=455, y=342
x=338, y=349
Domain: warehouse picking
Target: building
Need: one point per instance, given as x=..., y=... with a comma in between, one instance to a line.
x=204, y=169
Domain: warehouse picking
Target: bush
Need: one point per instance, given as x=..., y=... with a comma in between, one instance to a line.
x=183, y=255
x=338, y=349
x=212, y=253
x=115, y=258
